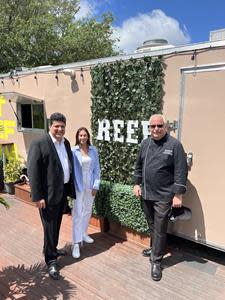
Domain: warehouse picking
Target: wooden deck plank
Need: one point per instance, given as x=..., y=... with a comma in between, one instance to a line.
x=110, y=268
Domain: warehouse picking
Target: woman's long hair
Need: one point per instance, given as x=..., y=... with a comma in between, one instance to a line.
x=77, y=136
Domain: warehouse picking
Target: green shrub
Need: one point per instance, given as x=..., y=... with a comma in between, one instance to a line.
x=117, y=203
x=102, y=199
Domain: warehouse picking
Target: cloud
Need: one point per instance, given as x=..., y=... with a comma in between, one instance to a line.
x=87, y=9
x=91, y=8
x=156, y=24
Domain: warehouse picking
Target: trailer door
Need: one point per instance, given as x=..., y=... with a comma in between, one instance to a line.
x=202, y=132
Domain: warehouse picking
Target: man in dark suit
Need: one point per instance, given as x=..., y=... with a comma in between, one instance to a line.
x=50, y=172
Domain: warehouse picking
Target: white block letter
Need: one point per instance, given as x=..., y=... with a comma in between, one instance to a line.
x=103, y=130
x=118, y=124
x=130, y=130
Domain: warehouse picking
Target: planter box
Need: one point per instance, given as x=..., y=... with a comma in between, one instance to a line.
x=22, y=192
x=99, y=222
x=119, y=230
x=125, y=233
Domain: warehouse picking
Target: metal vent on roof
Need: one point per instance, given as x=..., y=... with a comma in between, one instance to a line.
x=152, y=45
x=217, y=35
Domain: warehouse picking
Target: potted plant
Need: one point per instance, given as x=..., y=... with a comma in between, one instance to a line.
x=12, y=172
x=1, y=176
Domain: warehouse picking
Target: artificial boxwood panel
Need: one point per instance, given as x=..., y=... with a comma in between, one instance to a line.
x=117, y=203
x=102, y=199
x=125, y=208
x=124, y=90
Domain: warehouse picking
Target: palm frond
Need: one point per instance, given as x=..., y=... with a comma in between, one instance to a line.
x=3, y=202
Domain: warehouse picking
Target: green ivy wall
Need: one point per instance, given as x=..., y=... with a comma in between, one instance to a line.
x=124, y=90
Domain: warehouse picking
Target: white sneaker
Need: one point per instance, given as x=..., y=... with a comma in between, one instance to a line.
x=87, y=239
x=76, y=251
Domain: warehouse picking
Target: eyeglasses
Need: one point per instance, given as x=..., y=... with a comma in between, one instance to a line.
x=157, y=125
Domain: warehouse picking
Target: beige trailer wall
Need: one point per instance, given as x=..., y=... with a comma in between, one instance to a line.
x=203, y=124
x=68, y=96
x=203, y=104
x=174, y=64
x=72, y=97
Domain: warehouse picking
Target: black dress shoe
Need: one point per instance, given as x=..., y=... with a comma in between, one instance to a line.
x=156, y=272
x=53, y=272
x=147, y=252
x=61, y=252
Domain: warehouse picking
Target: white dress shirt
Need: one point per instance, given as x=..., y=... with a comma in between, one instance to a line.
x=63, y=156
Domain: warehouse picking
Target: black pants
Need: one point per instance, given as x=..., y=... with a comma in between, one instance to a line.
x=156, y=213
x=51, y=218
x=147, y=217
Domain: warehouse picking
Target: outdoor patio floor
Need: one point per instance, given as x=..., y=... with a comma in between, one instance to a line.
x=110, y=268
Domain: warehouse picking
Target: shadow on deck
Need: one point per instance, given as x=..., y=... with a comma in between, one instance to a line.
x=111, y=268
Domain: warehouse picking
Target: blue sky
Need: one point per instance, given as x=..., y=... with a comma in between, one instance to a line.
x=178, y=21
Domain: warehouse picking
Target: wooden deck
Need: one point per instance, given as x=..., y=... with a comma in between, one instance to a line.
x=110, y=268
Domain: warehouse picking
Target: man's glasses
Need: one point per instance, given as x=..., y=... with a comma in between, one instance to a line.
x=157, y=125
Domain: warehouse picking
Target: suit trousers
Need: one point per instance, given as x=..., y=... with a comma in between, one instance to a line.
x=156, y=213
x=147, y=217
x=51, y=218
x=82, y=210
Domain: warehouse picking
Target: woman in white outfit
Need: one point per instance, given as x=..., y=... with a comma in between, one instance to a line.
x=87, y=180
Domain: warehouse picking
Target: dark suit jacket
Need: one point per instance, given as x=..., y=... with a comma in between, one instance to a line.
x=45, y=171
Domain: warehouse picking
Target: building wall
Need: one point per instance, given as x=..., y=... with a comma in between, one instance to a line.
x=203, y=121
x=203, y=104
x=73, y=98
x=174, y=63
x=70, y=97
